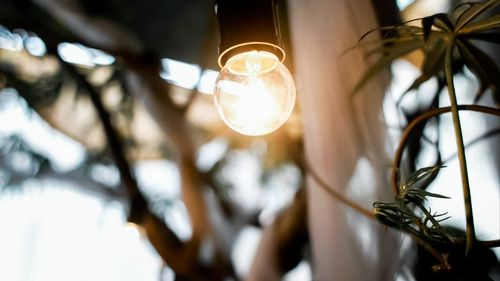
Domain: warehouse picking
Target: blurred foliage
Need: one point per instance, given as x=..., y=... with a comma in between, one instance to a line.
x=18, y=162
x=61, y=101
x=136, y=37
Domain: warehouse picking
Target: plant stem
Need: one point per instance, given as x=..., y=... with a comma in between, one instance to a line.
x=335, y=194
x=491, y=243
x=421, y=118
x=469, y=218
x=436, y=254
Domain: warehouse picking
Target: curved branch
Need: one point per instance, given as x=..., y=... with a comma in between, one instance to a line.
x=78, y=181
x=182, y=257
x=114, y=143
x=421, y=118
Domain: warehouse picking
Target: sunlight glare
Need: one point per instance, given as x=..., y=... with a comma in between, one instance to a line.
x=35, y=46
x=17, y=119
x=84, y=56
x=180, y=73
x=207, y=81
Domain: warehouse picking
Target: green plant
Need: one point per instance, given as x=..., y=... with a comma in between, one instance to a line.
x=399, y=214
x=447, y=42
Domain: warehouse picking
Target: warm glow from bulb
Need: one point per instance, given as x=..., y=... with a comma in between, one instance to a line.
x=254, y=93
x=132, y=231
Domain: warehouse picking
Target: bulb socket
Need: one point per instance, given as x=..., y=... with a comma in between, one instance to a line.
x=248, y=25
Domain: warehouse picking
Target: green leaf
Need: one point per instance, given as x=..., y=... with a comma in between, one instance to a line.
x=400, y=26
x=481, y=65
x=483, y=25
x=419, y=175
x=464, y=12
x=385, y=219
x=405, y=33
x=393, y=215
x=430, y=194
x=441, y=21
x=382, y=43
x=412, y=196
x=387, y=45
x=391, y=53
x=490, y=37
x=433, y=63
x=417, y=196
x=438, y=218
x=475, y=10
x=427, y=26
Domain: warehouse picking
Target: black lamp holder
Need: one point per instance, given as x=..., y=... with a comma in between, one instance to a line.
x=248, y=25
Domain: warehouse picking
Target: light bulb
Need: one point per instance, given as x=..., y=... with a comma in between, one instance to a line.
x=254, y=93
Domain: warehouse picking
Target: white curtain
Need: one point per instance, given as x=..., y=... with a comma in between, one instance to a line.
x=344, y=139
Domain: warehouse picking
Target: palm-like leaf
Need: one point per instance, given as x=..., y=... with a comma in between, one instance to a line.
x=482, y=65
x=487, y=24
x=442, y=38
x=473, y=22
x=474, y=11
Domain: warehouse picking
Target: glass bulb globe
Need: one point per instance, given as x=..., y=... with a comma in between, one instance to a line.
x=254, y=93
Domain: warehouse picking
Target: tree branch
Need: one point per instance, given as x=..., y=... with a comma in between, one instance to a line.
x=282, y=245
x=182, y=257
